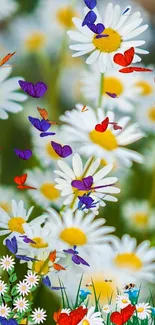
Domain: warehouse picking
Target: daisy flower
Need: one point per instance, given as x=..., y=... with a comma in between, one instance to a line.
x=6, y=195
x=8, y=94
x=109, y=145
x=138, y=215
x=146, y=114
x=92, y=317
x=145, y=83
x=70, y=229
x=78, y=172
x=143, y=310
x=21, y=304
x=31, y=279
x=23, y=288
x=8, y=7
x=106, y=309
x=114, y=82
x=123, y=301
x=3, y=287
x=46, y=193
x=14, y=223
x=39, y=315
x=4, y=310
x=121, y=30
x=7, y=263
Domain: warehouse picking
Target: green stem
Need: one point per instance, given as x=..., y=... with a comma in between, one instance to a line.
x=101, y=90
x=152, y=196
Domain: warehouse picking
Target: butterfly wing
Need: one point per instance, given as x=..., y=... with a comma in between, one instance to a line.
x=23, y=154
x=52, y=256
x=6, y=58
x=82, y=261
x=91, y=4
x=127, y=312
x=129, y=55
x=116, y=318
x=20, y=180
x=40, y=89
x=57, y=148
x=58, y=267
x=139, y=69
x=78, y=184
x=43, y=113
x=88, y=182
x=127, y=70
x=77, y=315
x=68, y=251
x=12, y=245
x=28, y=87
x=126, y=59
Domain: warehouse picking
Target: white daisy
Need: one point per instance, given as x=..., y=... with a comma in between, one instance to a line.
x=4, y=310
x=78, y=172
x=3, y=287
x=6, y=195
x=124, y=86
x=121, y=29
x=31, y=279
x=8, y=95
x=7, y=263
x=21, y=304
x=92, y=317
x=109, y=145
x=46, y=193
x=39, y=315
x=70, y=229
x=138, y=215
x=65, y=310
x=106, y=309
x=145, y=83
x=8, y=7
x=122, y=301
x=143, y=310
x=14, y=223
x=146, y=114
x=23, y=288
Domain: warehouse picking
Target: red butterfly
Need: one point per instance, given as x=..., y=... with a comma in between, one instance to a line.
x=124, y=315
x=104, y=125
x=44, y=114
x=20, y=180
x=6, y=58
x=126, y=59
x=52, y=258
x=74, y=317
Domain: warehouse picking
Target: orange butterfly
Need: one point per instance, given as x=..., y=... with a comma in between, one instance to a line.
x=20, y=181
x=84, y=109
x=52, y=257
x=44, y=114
x=6, y=58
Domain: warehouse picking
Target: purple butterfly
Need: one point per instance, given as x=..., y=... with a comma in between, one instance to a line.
x=41, y=125
x=34, y=90
x=112, y=95
x=84, y=185
x=62, y=151
x=75, y=257
x=46, y=281
x=97, y=29
x=91, y=4
x=23, y=154
x=11, y=244
x=27, y=240
x=26, y=258
x=90, y=18
x=86, y=202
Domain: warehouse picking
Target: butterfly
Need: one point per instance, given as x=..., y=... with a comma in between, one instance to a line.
x=46, y=281
x=86, y=202
x=34, y=90
x=104, y=125
x=126, y=59
x=27, y=240
x=62, y=151
x=10, y=321
x=44, y=114
x=52, y=258
x=6, y=58
x=11, y=244
x=73, y=318
x=75, y=257
x=26, y=258
x=120, y=318
x=23, y=154
x=84, y=185
x=84, y=109
x=41, y=125
x=20, y=181
x=112, y=95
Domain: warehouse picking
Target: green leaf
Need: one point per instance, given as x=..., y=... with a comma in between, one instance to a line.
x=33, y=288
x=14, y=291
x=7, y=298
x=77, y=295
x=13, y=277
x=11, y=271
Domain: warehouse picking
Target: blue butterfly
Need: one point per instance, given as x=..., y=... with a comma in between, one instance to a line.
x=46, y=281
x=10, y=321
x=41, y=125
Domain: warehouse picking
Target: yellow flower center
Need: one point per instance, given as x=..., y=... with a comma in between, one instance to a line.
x=5, y=206
x=106, y=140
x=3, y=311
x=73, y=236
x=23, y=321
x=151, y=114
x=102, y=288
x=23, y=287
x=40, y=243
x=51, y=152
x=38, y=266
x=49, y=191
x=16, y=224
x=146, y=88
x=113, y=85
x=141, y=219
x=35, y=41
x=85, y=322
x=108, y=44
x=21, y=304
x=1, y=287
x=128, y=260
x=105, y=308
x=124, y=301
x=140, y=309
x=65, y=15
